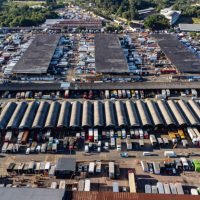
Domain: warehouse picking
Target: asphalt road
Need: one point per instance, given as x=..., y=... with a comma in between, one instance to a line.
x=99, y=86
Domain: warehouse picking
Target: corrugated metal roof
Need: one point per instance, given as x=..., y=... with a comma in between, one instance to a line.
x=87, y=116
x=109, y=114
x=75, y=120
x=29, y=115
x=17, y=115
x=120, y=112
x=65, y=112
x=132, y=114
x=41, y=115
x=6, y=114
x=155, y=115
x=99, y=115
x=31, y=194
x=125, y=196
x=144, y=116
x=53, y=114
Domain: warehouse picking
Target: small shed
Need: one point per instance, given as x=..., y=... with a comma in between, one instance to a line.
x=65, y=167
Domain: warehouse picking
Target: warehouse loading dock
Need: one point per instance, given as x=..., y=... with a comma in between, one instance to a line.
x=109, y=57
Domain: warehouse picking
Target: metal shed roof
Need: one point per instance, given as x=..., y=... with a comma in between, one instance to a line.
x=109, y=114
x=87, y=116
x=188, y=113
x=154, y=112
x=53, y=114
x=6, y=114
x=66, y=164
x=17, y=115
x=98, y=114
x=75, y=120
x=29, y=115
x=195, y=107
x=121, y=115
x=65, y=112
x=132, y=114
x=41, y=115
x=169, y=120
x=31, y=193
x=177, y=113
x=144, y=116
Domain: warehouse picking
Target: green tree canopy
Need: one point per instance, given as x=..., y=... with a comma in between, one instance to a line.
x=156, y=22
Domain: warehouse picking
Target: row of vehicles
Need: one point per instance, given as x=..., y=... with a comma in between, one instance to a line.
x=121, y=94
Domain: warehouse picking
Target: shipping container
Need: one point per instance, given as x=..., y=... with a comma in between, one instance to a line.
x=156, y=168
x=20, y=136
x=44, y=148
x=87, y=185
x=33, y=147
x=98, y=167
x=8, y=136
x=111, y=170
x=144, y=166
x=81, y=185
x=54, y=185
x=62, y=184
x=10, y=148
x=90, y=135
x=167, y=188
x=115, y=187
x=131, y=180
x=123, y=134
x=112, y=142
x=166, y=142
x=160, y=188
x=129, y=144
x=173, y=188
x=148, y=189
x=160, y=142
x=141, y=142
x=194, y=191
x=154, y=189
x=96, y=137
x=184, y=163
x=179, y=188
x=25, y=137
x=153, y=140
x=91, y=168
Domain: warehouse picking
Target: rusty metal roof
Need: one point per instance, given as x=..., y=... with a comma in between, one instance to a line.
x=125, y=196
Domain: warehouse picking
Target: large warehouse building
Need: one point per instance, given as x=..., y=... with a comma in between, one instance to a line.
x=36, y=59
x=109, y=56
x=99, y=114
x=184, y=60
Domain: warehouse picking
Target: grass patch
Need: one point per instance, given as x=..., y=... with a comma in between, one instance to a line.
x=196, y=20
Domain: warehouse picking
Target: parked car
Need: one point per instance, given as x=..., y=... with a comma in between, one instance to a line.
x=124, y=154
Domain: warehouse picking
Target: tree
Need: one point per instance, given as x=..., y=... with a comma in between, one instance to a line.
x=156, y=22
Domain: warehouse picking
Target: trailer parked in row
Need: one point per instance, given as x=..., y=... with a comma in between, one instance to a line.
x=179, y=188
x=91, y=168
x=148, y=189
x=160, y=188
x=167, y=188
x=156, y=168
x=81, y=185
x=153, y=140
x=87, y=185
x=111, y=170
x=115, y=187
